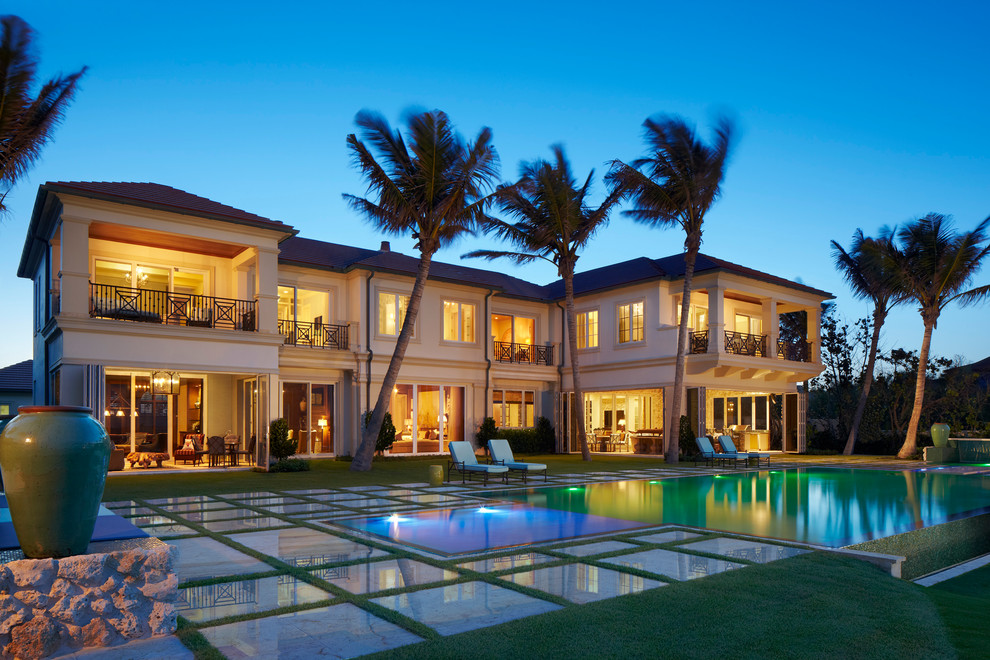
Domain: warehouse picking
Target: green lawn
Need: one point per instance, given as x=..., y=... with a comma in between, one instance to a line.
x=963, y=604
x=812, y=606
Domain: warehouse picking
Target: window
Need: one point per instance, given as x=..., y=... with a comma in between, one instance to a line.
x=587, y=329
x=748, y=324
x=630, y=322
x=458, y=321
x=513, y=329
x=303, y=305
x=391, y=313
x=514, y=408
x=151, y=278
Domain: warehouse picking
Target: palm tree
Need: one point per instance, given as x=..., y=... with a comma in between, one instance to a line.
x=437, y=189
x=934, y=266
x=26, y=123
x=554, y=223
x=866, y=268
x=675, y=185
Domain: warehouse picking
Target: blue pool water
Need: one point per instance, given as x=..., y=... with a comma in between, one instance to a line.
x=824, y=506
x=475, y=529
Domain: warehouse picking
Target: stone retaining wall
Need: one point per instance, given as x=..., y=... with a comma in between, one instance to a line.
x=52, y=606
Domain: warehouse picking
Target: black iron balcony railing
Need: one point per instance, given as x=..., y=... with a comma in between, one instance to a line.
x=107, y=301
x=314, y=335
x=698, y=342
x=741, y=343
x=796, y=351
x=523, y=353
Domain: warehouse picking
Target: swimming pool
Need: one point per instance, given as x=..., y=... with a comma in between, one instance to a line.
x=824, y=506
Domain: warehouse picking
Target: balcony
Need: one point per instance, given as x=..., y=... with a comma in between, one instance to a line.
x=523, y=353
x=740, y=343
x=107, y=301
x=314, y=335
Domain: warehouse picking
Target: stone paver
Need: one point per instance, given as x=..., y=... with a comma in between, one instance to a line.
x=505, y=563
x=338, y=631
x=598, y=548
x=202, y=557
x=760, y=553
x=382, y=575
x=677, y=565
x=466, y=606
x=301, y=546
x=581, y=583
x=215, y=601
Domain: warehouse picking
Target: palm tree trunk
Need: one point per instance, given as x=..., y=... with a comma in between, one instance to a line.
x=568, y=276
x=366, y=450
x=911, y=441
x=673, y=441
x=878, y=318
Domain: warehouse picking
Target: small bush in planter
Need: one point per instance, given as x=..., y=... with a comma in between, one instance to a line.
x=279, y=444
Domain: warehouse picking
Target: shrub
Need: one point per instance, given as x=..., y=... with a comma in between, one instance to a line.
x=386, y=434
x=537, y=440
x=290, y=465
x=486, y=432
x=685, y=438
x=279, y=444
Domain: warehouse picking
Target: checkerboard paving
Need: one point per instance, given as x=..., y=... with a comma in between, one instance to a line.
x=268, y=573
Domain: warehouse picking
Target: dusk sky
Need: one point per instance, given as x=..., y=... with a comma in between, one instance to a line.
x=851, y=115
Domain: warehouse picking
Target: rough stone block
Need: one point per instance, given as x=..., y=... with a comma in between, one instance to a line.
x=59, y=606
x=84, y=570
x=98, y=633
x=38, y=574
x=38, y=638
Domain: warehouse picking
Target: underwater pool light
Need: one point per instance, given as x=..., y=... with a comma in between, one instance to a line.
x=575, y=488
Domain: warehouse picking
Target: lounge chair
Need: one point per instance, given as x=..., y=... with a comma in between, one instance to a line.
x=463, y=460
x=729, y=446
x=501, y=454
x=710, y=455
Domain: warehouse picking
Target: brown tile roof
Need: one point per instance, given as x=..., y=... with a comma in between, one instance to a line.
x=333, y=256
x=166, y=198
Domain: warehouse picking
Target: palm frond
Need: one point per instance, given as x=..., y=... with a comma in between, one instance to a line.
x=26, y=124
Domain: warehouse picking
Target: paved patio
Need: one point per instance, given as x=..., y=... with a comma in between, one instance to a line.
x=268, y=573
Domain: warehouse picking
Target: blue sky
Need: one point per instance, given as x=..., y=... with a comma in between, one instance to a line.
x=850, y=115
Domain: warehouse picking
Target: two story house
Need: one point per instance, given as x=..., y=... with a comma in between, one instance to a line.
x=171, y=314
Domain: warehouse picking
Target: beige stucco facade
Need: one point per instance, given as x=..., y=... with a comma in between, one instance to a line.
x=253, y=332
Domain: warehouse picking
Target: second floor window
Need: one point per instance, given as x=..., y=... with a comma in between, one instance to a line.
x=748, y=324
x=303, y=305
x=630, y=318
x=587, y=329
x=391, y=312
x=513, y=329
x=458, y=321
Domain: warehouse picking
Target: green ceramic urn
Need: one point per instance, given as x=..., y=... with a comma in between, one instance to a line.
x=54, y=465
x=940, y=435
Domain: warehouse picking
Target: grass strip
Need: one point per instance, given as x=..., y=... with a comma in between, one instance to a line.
x=786, y=609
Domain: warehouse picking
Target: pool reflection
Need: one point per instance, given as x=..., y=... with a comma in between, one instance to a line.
x=831, y=507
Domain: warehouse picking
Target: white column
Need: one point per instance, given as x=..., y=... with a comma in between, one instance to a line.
x=716, y=319
x=266, y=290
x=771, y=326
x=814, y=333
x=75, y=268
